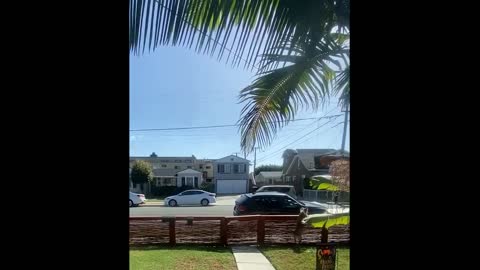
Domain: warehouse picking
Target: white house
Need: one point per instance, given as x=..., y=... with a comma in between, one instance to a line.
x=189, y=177
x=231, y=175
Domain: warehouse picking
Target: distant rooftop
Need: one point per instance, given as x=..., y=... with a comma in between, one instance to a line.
x=271, y=174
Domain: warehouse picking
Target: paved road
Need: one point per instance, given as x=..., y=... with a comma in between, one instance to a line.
x=223, y=207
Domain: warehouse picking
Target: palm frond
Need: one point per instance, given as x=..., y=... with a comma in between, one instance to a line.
x=242, y=28
x=276, y=95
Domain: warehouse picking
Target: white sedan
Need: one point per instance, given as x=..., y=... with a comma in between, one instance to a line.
x=136, y=199
x=191, y=197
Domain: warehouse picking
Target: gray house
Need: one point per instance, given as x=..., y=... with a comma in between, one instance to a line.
x=231, y=175
x=305, y=163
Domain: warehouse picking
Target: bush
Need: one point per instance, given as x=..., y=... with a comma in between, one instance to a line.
x=210, y=187
x=163, y=191
x=307, y=184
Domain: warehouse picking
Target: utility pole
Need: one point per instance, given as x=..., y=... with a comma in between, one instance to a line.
x=254, y=160
x=345, y=129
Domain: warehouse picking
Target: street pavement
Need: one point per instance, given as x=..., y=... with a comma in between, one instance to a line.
x=223, y=207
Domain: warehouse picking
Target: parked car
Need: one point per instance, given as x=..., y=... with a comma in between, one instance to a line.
x=273, y=203
x=290, y=190
x=191, y=197
x=136, y=199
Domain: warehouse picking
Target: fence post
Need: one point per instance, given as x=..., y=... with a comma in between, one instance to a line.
x=261, y=230
x=324, y=235
x=171, y=230
x=223, y=231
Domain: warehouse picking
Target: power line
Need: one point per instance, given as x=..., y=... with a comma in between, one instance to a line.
x=287, y=138
x=279, y=150
x=221, y=126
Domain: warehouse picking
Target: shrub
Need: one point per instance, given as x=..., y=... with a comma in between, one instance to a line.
x=210, y=187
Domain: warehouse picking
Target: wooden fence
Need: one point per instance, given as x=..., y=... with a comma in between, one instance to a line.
x=255, y=229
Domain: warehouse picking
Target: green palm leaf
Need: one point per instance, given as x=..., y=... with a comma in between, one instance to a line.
x=243, y=28
x=290, y=42
x=276, y=95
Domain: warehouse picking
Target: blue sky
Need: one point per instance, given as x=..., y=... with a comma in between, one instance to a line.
x=175, y=87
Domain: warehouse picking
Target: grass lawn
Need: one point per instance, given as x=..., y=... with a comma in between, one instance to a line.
x=182, y=258
x=284, y=258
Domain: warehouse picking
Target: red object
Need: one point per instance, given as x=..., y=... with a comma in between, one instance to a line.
x=242, y=208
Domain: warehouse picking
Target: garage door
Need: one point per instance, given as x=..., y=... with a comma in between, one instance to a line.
x=231, y=186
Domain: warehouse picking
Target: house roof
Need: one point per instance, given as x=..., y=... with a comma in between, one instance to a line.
x=295, y=160
x=232, y=158
x=271, y=174
x=316, y=151
x=158, y=157
x=189, y=171
x=164, y=172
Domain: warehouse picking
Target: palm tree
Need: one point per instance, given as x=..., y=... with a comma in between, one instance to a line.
x=300, y=50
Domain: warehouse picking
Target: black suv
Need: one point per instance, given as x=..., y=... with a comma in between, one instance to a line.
x=273, y=203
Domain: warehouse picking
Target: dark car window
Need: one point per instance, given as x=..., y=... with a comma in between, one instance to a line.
x=282, y=189
x=191, y=192
x=258, y=204
x=278, y=189
x=273, y=202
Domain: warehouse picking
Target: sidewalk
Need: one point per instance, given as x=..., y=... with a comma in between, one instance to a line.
x=250, y=258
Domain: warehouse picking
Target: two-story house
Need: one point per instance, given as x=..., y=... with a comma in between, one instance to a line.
x=166, y=170
x=231, y=175
x=206, y=167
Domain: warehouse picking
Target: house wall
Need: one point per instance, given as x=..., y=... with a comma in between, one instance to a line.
x=179, y=163
x=231, y=175
x=180, y=175
x=205, y=166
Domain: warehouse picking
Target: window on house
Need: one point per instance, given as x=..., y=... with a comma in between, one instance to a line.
x=241, y=168
x=293, y=179
x=235, y=168
x=189, y=167
x=177, y=167
x=208, y=180
x=164, y=165
x=201, y=166
x=189, y=181
x=208, y=167
x=228, y=168
x=158, y=181
x=178, y=161
x=221, y=168
x=183, y=181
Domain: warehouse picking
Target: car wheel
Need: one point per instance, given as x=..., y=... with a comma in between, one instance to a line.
x=204, y=202
x=172, y=203
x=131, y=203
